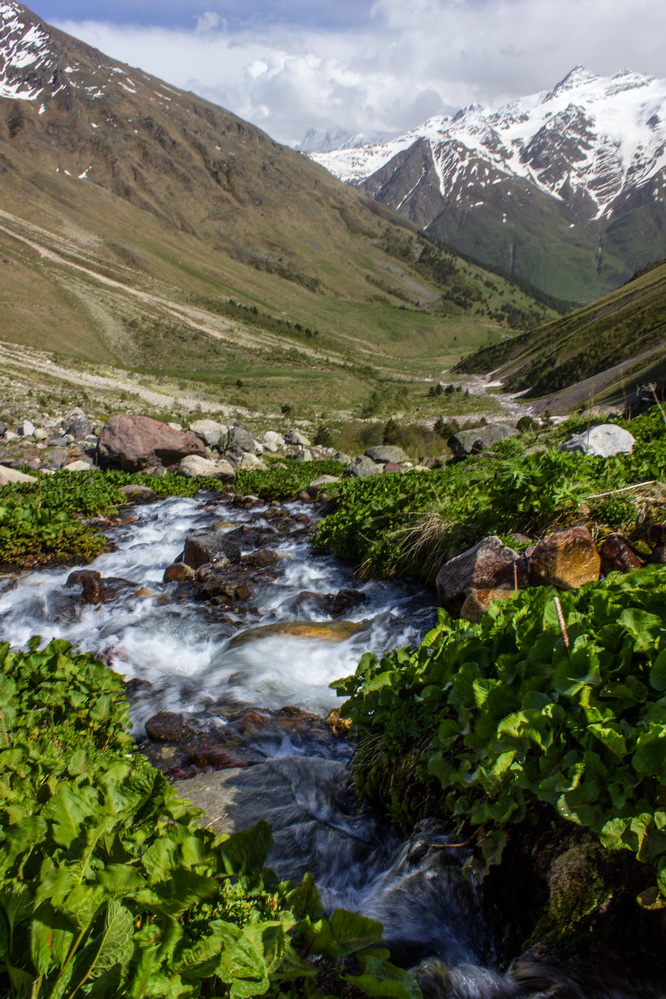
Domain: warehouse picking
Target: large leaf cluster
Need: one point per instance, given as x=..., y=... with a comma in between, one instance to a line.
x=520, y=709
x=110, y=887
x=378, y=518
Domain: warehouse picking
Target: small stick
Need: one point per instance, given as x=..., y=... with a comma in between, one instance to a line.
x=624, y=489
x=515, y=575
x=661, y=408
x=563, y=624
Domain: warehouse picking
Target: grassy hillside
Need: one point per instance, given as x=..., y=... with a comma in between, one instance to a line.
x=600, y=351
x=144, y=228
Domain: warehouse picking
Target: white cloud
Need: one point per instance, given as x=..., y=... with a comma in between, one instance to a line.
x=207, y=21
x=419, y=59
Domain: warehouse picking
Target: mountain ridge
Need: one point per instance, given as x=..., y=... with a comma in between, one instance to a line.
x=577, y=171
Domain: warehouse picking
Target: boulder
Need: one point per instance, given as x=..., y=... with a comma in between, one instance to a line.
x=210, y=431
x=303, y=455
x=489, y=565
x=3, y=428
x=138, y=494
x=250, y=462
x=212, y=547
x=81, y=465
x=90, y=581
x=137, y=442
x=566, y=560
x=295, y=437
x=392, y=468
x=26, y=429
x=194, y=466
x=273, y=441
x=478, y=601
x=360, y=467
x=260, y=559
x=385, y=452
x=605, y=440
x=226, y=585
x=618, y=555
x=322, y=631
x=472, y=441
x=8, y=475
x=317, y=485
x=9, y=435
x=238, y=440
x=79, y=428
x=40, y=434
x=169, y=726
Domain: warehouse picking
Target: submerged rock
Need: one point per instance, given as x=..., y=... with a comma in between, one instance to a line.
x=170, y=726
x=323, y=631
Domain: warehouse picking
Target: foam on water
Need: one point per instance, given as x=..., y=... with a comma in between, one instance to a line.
x=182, y=648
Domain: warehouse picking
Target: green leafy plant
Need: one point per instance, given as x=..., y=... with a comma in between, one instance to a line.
x=482, y=720
x=109, y=885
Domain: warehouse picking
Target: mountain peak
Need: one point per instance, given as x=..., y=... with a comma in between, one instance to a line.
x=579, y=76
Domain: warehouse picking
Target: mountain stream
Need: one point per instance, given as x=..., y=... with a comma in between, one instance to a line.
x=234, y=668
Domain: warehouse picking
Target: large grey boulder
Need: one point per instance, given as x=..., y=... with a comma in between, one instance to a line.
x=210, y=431
x=489, y=565
x=294, y=437
x=26, y=429
x=239, y=440
x=194, y=466
x=137, y=442
x=386, y=452
x=360, y=467
x=471, y=441
x=605, y=440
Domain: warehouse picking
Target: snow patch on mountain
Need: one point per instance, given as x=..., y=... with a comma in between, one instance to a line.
x=590, y=136
x=23, y=44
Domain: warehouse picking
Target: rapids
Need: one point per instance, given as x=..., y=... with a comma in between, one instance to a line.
x=212, y=663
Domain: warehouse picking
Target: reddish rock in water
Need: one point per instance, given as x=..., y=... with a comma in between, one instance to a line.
x=91, y=582
x=489, y=565
x=137, y=442
x=618, y=555
x=566, y=560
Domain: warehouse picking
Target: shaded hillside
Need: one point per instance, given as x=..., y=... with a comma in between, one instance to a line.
x=605, y=348
x=143, y=226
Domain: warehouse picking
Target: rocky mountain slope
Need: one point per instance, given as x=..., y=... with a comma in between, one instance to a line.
x=606, y=350
x=564, y=187
x=144, y=227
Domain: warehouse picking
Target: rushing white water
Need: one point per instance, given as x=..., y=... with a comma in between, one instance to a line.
x=182, y=647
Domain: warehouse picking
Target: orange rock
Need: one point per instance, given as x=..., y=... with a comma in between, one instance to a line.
x=566, y=560
x=478, y=602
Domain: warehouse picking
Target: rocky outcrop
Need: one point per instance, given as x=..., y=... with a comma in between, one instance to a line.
x=210, y=431
x=134, y=443
x=566, y=560
x=360, y=467
x=385, y=452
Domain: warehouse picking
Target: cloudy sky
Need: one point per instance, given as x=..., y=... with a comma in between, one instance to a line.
x=365, y=65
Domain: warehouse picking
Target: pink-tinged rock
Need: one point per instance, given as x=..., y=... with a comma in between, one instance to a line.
x=489, y=565
x=618, y=555
x=137, y=442
x=566, y=560
x=392, y=466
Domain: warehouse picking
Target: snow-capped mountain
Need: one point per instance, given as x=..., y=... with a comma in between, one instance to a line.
x=582, y=156
x=325, y=141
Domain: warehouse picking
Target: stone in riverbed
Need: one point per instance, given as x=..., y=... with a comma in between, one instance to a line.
x=137, y=442
x=178, y=572
x=260, y=559
x=566, y=560
x=489, y=565
x=169, y=726
x=211, y=547
x=323, y=631
x=138, y=494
